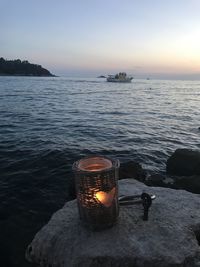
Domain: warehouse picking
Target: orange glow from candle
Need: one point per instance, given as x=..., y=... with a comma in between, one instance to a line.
x=95, y=164
x=106, y=198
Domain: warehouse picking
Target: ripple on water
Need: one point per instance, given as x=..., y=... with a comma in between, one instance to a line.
x=48, y=123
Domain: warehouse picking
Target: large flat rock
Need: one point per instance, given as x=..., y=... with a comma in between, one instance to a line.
x=169, y=238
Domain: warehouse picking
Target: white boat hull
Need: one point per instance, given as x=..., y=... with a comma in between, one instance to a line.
x=116, y=80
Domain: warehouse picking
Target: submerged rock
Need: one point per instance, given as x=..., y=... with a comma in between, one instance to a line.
x=184, y=162
x=132, y=169
x=169, y=238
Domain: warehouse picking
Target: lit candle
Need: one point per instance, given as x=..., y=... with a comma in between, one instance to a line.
x=94, y=164
x=96, y=188
x=106, y=198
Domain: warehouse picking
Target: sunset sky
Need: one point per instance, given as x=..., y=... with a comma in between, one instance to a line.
x=89, y=37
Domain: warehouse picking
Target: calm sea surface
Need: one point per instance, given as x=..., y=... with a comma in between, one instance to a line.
x=48, y=123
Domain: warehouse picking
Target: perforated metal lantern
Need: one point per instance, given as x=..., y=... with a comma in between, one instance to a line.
x=96, y=179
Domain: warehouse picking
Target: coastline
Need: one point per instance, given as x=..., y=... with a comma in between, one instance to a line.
x=27, y=75
x=19, y=67
x=172, y=229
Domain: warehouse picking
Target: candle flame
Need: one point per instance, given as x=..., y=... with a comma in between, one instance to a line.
x=106, y=198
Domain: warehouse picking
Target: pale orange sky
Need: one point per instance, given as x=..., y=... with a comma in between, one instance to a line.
x=139, y=37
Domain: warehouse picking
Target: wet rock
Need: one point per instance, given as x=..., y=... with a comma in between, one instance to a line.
x=189, y=183
x=169, y=238
x=156, y=180
x=184, y=162
x=132, y=169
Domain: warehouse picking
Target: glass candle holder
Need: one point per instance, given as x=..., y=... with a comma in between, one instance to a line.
x=96, y=180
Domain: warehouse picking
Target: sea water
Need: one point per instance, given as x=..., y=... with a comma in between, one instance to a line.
x=48, y=123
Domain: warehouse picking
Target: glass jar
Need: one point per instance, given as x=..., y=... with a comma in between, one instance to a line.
x=96, y=179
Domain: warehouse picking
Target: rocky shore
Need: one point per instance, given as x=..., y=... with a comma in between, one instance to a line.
x=182, y=172
x=171, y=236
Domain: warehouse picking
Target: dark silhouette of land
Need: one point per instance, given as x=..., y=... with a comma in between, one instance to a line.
x=22, y=68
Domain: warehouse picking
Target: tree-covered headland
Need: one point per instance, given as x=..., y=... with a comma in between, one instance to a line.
x=21, y=68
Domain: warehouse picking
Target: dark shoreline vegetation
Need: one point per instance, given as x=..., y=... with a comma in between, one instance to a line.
x=22, y=68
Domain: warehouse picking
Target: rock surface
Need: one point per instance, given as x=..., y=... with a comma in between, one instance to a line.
x=156, y=180
x=184, y=162
x=132, y=169
x=189, y=183
x=170, y=237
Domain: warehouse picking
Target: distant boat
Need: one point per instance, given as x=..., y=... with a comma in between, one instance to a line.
x=120, y=77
